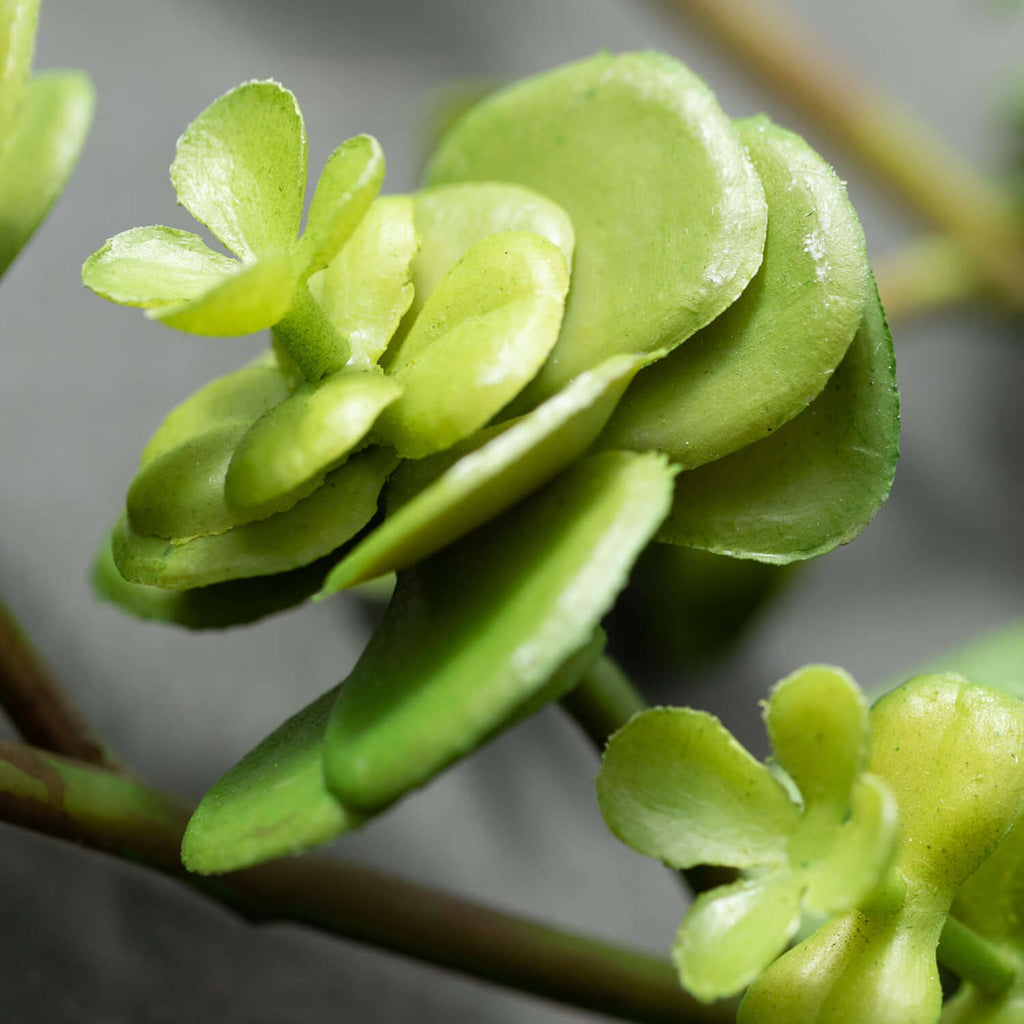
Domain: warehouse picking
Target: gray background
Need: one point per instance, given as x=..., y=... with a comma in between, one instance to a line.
x=83, y=384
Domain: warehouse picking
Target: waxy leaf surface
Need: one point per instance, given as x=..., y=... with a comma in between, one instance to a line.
x=367, y=288
x=39, y=151
x=480, y=337
x=472, y=634
x=813, y=484
x=18, y=20
x=240, y=169
x=769, y=354
x=469, y=488
x=668, y=212
x=333, y=514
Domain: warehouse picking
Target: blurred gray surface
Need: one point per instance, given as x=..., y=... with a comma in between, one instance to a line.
x=83, y=384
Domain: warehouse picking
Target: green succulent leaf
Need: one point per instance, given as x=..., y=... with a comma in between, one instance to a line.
x=347, y=186
x=252, y=298
x=732, y=933
x=668, y=211
x=451, y=219
x=240, y=169
x=481, y=335
x=769, y=354
x=236, y=398
x=817, y=481
x=218, y=606
x=273, y=802
x=475, y=632
x=859, y=967
x=468, y=488
x=332, y=515
x=39, y=152
x=950, y=752
x=676, y=785
x=294, y=444
x=817, y=721
x=155, y=266
x=367, y=288
x=18, y=20
x=860, y=852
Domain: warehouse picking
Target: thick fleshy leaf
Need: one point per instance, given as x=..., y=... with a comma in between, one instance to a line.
x=306, y=341
x=39, y=152
x=155, y=266
x=769, y=354
x=254, y=297
x=18, y=20
x=676, y=785
x=950, y=753
x=857, y=968
x=451, y=219
x=861, y=850
x=304, y=437
x=234, y=603
x=817, y=481
x=367, y=288
x=817, y=721
x=474, y=633
x=273, y=802
x=350, y=179
x=490, y=477
x=239, y=397
x=180, y=494
x=732, y=933
x=240, y=169
x=483, y=333
x=317, y=525
x=668, y=212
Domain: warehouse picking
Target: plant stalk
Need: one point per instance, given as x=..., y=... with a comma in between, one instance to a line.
x=948, y=190
x=975, y=959
x=119, y=815
x=37, y=705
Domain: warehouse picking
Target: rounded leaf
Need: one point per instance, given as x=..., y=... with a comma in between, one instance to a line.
x=668, y=212
x=472, y=634
x=367, y=288
x=240, y=169
x=255, y=296
x=469, y=488
x=350, y=179
x=676, y=785
x=18, y=21
x=308, y=434
x=155, y=266
x=39, y=152
x=732, y=933
x=769, y=354
x=813, y=484
x=481, y=336
x=333, y=514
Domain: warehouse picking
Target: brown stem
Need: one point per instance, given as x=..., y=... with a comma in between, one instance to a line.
x=947, y=189
x=37, y=705
x=119, y=815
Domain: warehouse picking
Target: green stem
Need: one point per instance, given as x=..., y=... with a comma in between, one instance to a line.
x=602, y=703
x=930, y=274
x=950, y=191
x=37, y=705
x=121, y=816
x=975, y=959
x=307, y=340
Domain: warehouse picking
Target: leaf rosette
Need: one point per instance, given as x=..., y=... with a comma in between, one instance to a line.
x=675, y=785
x=444, y=364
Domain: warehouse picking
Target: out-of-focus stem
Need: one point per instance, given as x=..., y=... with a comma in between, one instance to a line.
x=975, y=959
x=37, y=705
x=951, y=192
x=929, y=274
x=118, y=815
